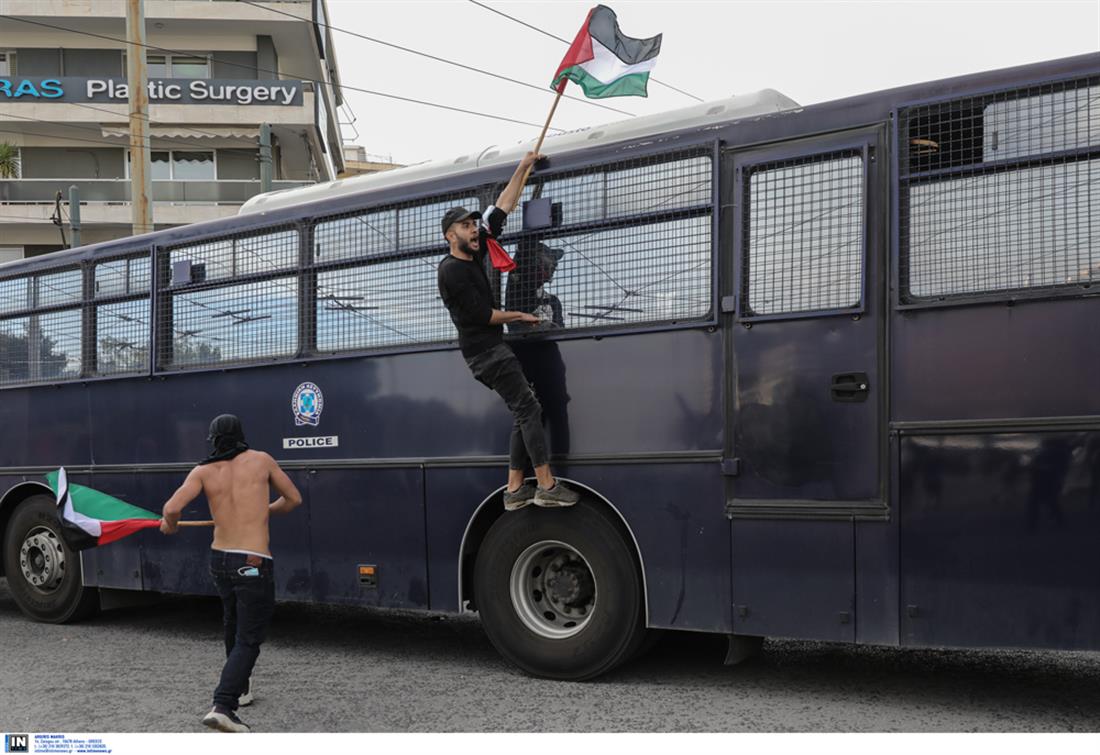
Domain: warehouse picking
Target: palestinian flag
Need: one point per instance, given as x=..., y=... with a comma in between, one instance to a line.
x=90, y=518
x=604, y=61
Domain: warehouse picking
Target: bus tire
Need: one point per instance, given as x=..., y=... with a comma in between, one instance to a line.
x=43, y=572
x=559, y=593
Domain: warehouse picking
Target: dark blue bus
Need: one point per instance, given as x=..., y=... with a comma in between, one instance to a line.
x=821, y=372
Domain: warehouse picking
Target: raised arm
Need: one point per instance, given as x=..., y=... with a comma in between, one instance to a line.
x=186, y=493
x=510, y=196
x=289, y=497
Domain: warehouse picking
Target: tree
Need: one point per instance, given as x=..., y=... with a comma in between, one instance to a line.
x=9, y=161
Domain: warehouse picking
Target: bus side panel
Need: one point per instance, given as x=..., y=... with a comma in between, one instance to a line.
x=46, y=425
x=372, y=517
x=676, y=513
x=999, y=539
x=794, y=579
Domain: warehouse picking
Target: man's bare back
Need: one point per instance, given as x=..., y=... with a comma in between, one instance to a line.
x=237, y=491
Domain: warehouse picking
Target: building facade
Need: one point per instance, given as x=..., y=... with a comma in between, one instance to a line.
x=217, y=71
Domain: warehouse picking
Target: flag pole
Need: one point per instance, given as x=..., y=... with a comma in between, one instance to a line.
x=206, y=523
x=542, y=136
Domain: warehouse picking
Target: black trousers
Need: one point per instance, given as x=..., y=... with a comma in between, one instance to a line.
x=499, y=369
x=248, y=602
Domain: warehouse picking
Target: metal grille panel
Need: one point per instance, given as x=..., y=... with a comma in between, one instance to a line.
x=237, y=323
x=804, y=235
x=204, y=325
x=40, y=348
x=395, y=302
x=641, y=251
x=1001, y=192
x=655, y=272
x=122, y=337
x=236, y=257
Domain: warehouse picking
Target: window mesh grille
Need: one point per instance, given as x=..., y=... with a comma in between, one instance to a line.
x=206, y=320
x=43, y=343
x=803, y=235
x=1001, y=192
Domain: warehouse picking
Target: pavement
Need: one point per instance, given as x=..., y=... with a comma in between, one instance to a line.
x=325, y=669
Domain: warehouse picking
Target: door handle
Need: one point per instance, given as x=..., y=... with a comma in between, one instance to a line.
x=850, y=386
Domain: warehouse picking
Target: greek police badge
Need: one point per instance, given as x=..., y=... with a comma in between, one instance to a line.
x=307, y=403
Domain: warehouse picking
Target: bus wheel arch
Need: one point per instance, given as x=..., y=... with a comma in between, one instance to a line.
x=523, y=559
x=492, y=508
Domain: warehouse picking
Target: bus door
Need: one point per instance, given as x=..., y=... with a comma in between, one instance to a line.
x=804, y=455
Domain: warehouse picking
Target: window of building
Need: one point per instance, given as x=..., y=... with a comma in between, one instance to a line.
x=181, y=165
x=173, y=66
x=7, y=63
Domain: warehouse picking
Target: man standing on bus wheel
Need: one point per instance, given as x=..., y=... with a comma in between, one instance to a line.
x=237, y=482
x=464, y=288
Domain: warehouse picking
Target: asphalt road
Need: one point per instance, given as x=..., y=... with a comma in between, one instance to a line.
x=153, y=669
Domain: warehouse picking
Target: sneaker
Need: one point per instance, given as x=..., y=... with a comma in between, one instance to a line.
x=557, y=496
x=224, y=719
x=247, y=698
x=520, y=497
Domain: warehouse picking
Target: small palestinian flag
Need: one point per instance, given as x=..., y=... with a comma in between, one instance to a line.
x=604, y=61
x=90, y=518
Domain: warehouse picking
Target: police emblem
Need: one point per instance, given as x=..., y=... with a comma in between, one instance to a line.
x=307, y=403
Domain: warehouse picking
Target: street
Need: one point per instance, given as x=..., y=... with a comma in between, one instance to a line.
x=328, y=669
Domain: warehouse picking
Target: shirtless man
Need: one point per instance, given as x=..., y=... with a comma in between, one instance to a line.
x=237, y=482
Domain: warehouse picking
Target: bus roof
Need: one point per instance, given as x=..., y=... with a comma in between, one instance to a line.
x=764, y=102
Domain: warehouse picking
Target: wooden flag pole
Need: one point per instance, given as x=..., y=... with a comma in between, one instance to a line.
x=542, y=136
x=207, y=523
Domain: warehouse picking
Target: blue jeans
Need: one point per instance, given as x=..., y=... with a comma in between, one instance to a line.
x=247, y=590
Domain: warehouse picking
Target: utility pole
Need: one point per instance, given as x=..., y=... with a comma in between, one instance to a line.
x=74, y=215
x=265, y=157
x=141, y=183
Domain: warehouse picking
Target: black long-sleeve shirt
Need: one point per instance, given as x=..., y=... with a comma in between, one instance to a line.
x=464, y=288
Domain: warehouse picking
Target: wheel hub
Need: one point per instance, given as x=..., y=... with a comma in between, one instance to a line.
x=42, y=560
x=553, y=589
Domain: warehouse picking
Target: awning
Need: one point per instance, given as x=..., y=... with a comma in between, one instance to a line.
x=240, y=133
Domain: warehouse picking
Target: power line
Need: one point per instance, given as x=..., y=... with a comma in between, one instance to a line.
x=566, y=41
x=543, y=89
x=413, y=100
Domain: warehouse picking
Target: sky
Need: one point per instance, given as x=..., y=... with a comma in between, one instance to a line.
x=809, y=51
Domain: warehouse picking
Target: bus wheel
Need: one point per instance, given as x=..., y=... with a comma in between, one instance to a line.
x=43, y=573
x=558, y=592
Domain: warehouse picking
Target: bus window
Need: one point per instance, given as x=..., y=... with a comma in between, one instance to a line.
x=122, y=277
x=365, y=234
x=13, y=295
x=235, y=323
x=230, y=258
x=655, y=188
x=383, y=304
x=653, y=272
x=804, y=240
x=65, y=287
x=1018, y=216
x=122, y=337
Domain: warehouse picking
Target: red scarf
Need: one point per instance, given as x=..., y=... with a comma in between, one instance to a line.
x=500, y=259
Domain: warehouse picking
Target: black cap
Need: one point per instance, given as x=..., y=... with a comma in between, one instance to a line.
x=552, y=253
x=457, y=215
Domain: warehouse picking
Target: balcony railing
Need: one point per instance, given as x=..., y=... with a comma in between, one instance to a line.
x=43, y=190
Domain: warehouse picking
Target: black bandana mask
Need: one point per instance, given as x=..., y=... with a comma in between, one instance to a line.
x=226, y=439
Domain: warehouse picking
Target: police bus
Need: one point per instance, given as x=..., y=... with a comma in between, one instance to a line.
x=820, y=372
